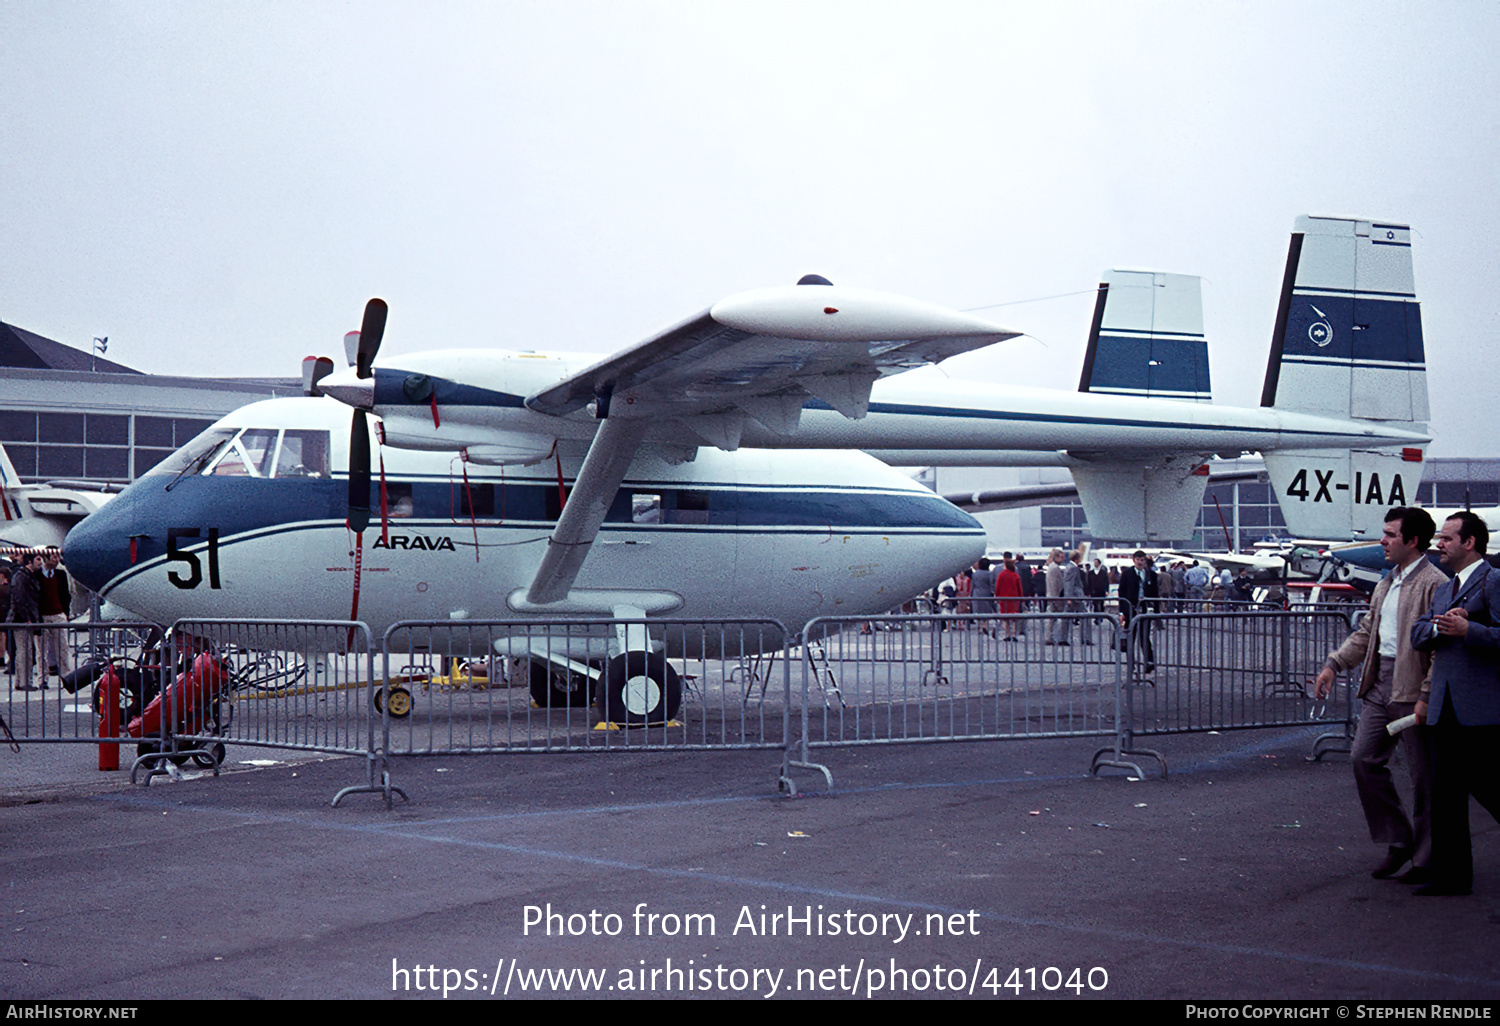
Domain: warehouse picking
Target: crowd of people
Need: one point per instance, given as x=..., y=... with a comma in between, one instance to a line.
x=35, y=592
x=1069, y=582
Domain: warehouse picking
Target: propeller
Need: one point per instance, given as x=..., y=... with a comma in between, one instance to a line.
x=359, y=473
x=371, y=330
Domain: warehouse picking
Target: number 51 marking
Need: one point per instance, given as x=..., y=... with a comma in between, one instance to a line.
x=195, y=569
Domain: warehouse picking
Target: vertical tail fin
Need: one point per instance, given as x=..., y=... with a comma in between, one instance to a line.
x=1147, y=337
x=1348, y=344
x=1348, y=337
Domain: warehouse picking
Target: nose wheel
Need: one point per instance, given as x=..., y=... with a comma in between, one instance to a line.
x=639, y=689
x=397, y=698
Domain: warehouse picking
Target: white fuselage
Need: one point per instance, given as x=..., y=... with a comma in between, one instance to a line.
x=755, y=533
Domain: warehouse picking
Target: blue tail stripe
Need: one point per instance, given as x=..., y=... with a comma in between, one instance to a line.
x=1181, y=365
x=1357, y=328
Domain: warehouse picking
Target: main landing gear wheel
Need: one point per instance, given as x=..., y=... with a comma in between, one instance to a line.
x=639, y=689
x=398, y=698
x=557, y=687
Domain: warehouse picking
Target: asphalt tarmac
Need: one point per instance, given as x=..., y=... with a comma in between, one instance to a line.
x=991, y=871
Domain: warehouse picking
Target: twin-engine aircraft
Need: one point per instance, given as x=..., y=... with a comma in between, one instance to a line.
x=714, y=469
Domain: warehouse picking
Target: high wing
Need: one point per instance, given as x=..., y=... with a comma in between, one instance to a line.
x=762, y=354
x=768, y=352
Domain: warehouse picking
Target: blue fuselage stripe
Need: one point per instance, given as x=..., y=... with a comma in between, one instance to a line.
x=236, y=507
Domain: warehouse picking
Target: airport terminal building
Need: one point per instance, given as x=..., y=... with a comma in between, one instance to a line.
x=70, y=415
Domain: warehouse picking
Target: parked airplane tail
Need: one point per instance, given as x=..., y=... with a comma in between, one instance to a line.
x=1347, y=344
x=1147, y=337
x=9, y=482
x=1148, y=500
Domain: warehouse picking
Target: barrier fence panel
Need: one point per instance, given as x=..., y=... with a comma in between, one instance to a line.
x=1185, y=604
x=304, y=685
x=957, y=678
x=593, y=685
x=565, y=686
x=54, y=677
x=1194, y=672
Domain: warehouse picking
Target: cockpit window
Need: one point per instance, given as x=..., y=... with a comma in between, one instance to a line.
x=197, y=454
x=303, y=454
x=250, y=454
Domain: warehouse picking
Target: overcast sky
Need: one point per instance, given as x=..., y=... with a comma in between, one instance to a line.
x=218, y=187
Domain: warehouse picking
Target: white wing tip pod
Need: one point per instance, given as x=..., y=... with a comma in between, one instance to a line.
x=833, y=313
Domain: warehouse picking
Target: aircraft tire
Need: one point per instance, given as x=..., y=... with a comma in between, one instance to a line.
x=640, y=689
x=398, y=698
x=553, y=687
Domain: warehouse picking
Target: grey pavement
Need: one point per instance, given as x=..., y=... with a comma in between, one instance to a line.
x=1244, y=874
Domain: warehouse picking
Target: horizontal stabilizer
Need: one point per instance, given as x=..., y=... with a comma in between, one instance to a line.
x=1147, y=337
x=1021, y=496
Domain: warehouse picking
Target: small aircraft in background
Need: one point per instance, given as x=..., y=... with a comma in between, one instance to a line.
x=1363, y=564
x=39, y=516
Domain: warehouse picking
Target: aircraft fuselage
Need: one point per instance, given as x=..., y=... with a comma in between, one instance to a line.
x=257, y=530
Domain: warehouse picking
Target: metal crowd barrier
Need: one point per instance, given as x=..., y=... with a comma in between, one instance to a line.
x=523, y=686
x=1184, y=604
x=1196, y=672
x=956, y=678
x=305, y=685
x=445, y=687
x=65, y=706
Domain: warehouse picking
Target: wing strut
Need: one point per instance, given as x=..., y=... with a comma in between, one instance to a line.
x=599, y=478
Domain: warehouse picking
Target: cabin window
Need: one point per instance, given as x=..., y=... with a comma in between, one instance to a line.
x=692, y=508
x=305, y=454
x=398, y=500
x=645, y=508
x=195, y=455
x=476, y=500
x=249, y=455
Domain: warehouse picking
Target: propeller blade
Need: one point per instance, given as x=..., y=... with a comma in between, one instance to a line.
x=359, y=473
x=370, y=332
x=314, y=370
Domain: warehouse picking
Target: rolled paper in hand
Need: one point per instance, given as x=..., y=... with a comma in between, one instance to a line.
x=1397, y=726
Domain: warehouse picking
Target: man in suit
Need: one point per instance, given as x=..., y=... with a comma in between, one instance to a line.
x=54, y=604
x=24, y=594
x=1053, y=576
x=1136, y=583
x=1393, y=678
x=1028, y=585
x=1076, y=599
x=1098, y=585
x=1462, y=631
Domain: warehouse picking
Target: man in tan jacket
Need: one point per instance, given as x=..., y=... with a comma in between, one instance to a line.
x=1393, y=677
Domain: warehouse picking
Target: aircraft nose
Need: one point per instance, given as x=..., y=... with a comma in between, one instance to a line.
x=349, y=388
x=97, y=549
